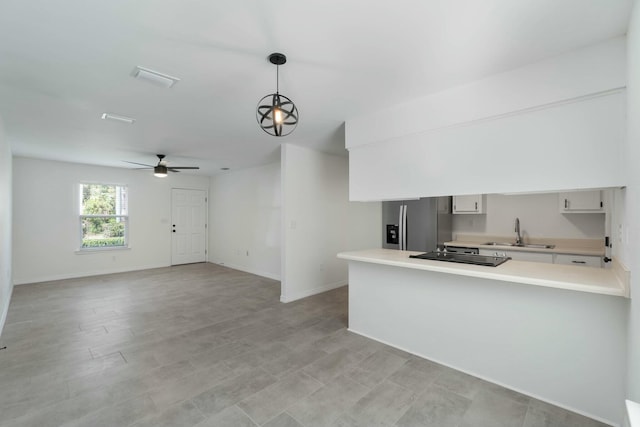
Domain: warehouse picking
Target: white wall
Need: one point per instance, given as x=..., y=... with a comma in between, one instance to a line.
x=46, y=227
x=318, y=221
x=592, y=69
x=244, y=225
x=631, y=228
x=554, y=125
x=6, y=282
x=539, y=217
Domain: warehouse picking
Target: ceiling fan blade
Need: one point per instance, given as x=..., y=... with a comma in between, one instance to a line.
x=172, y=170
x=141, y=164
x=184, y=167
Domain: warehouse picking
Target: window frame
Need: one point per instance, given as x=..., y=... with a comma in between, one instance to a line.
x=81, y=217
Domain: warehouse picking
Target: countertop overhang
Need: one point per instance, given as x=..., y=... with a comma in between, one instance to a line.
x=607, y=281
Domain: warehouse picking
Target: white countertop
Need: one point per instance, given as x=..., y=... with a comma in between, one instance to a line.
x=583, y=279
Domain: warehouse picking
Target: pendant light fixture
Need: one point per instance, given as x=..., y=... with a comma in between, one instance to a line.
x=277, y=115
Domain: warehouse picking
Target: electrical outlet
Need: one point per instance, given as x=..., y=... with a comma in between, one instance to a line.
x=620, y=233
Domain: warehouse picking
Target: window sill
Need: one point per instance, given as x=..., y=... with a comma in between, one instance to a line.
x=103, y=249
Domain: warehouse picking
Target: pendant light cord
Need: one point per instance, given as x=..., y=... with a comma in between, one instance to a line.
x=277, y=79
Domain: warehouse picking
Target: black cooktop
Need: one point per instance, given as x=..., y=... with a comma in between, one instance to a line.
x=491, y=261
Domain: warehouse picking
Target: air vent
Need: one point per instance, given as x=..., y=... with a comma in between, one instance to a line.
x=155, y=77
x=116, y=118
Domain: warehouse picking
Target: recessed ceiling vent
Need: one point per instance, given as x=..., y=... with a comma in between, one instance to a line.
x=116, y=118
x=155, y=77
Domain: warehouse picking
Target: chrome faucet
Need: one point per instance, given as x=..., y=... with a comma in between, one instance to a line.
x=518, y=236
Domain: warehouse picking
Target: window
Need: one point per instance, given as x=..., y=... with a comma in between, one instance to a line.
x=104, y=216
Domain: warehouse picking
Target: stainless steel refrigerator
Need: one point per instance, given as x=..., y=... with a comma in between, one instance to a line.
x=417, y=225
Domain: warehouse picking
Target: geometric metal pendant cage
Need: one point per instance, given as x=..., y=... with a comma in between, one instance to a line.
x=277, y=115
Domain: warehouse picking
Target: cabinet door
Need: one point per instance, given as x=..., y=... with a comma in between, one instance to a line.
x=579, y=260
x=581, y=201
x=519, y=255
x=471, y=204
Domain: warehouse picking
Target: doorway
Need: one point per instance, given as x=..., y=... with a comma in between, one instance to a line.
x=189, y=226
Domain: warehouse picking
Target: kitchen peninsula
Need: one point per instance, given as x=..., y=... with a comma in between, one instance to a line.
x=553, y=332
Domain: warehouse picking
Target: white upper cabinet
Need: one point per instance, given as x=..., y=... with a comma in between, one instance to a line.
x=581, y=202
x=470, y=204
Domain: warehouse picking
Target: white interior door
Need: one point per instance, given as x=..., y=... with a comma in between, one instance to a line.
x=188, y=226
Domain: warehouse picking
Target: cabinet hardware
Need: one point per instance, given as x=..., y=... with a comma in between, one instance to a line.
x=607, y=259
x=578, y=262
x=566, y=203
x=476, y=205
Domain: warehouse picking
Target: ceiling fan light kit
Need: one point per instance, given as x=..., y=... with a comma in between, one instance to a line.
x=155, y=77
x=277, y=115
x=160, y=171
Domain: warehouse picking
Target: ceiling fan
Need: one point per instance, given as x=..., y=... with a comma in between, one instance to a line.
x=160, y=170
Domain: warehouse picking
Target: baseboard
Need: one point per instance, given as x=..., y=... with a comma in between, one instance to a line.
x=248, y=270
x=5, y=310
x=86, y=274
x=526, y=393
x=289, y=297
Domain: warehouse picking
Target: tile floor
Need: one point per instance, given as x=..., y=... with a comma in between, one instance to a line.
x=203, y=345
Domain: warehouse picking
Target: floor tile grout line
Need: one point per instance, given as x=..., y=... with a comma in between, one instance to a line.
x=244, y=412
x=297, y=420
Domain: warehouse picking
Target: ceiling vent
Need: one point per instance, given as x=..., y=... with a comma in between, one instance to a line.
x=154, y=77
x=116, y=118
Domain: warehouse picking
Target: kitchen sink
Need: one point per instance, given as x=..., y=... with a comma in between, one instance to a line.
x=530, y=245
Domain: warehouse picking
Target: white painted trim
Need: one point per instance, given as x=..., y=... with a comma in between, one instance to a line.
x=309, y=292
x=99, y=249
x=248, y=270
x=491, y=380
x=50, y=278
x=5, y=312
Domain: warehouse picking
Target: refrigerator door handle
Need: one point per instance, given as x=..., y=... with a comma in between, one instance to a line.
x=403, y=233
x=400, y=228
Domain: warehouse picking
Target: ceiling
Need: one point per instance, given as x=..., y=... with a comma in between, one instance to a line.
x=64, y=63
